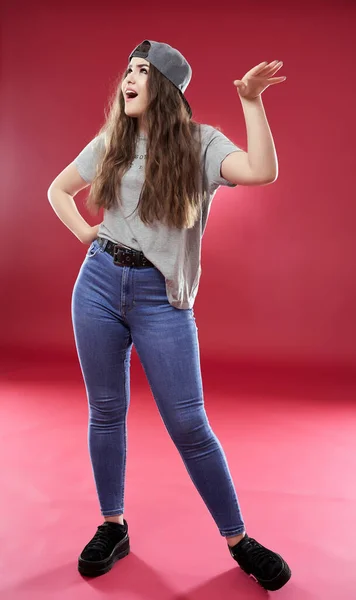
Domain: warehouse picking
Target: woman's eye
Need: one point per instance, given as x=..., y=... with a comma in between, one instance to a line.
x=142, y=69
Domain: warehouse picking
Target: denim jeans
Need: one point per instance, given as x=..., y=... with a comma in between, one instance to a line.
x=114, y=307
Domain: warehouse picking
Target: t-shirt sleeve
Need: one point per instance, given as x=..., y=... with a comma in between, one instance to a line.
x=218, y=148
x=88, y=159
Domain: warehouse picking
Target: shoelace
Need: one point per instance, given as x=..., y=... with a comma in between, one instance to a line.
x=256, y=553
x=101, y=539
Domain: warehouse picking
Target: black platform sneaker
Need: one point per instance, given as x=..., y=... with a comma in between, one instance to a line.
x=109, y=544
x=268, y=568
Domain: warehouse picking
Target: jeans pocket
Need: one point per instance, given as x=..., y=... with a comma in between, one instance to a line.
x=93, y=249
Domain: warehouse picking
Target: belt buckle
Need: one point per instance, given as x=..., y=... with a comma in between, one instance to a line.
x=117, y=249
x=122, y=257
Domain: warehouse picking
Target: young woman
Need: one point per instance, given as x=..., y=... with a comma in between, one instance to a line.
x=155, y=171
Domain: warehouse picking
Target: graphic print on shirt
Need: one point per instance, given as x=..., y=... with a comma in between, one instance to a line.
x=139, y=157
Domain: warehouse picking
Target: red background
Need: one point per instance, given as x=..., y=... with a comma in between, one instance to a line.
x=278, y=290
x=278, y=282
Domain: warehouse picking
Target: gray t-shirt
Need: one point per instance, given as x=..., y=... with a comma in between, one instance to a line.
x=175, y=252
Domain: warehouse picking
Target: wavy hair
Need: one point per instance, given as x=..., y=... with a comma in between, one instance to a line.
x=172, y=191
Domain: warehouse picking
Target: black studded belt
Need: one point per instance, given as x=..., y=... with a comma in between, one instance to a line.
x=125, y=257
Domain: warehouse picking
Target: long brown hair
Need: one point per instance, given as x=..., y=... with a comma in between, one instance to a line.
x=173, y=192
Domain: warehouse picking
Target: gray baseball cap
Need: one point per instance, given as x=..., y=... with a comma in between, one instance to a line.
x=171, y=63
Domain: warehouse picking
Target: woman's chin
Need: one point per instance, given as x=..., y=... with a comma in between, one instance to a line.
x=132, y=113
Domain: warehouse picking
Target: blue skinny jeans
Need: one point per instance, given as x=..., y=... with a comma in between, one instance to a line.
x=114, y=307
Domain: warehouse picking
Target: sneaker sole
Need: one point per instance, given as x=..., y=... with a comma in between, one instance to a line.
x=90, y=568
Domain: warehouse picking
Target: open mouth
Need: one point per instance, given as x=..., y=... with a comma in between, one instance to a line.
x=129, y=96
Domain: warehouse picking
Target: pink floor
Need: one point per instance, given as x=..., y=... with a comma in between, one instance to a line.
x=290, y=439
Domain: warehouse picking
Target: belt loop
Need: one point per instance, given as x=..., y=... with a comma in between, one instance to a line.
x=103, y=242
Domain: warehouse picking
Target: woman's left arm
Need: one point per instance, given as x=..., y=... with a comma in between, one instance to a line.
x=259, y=165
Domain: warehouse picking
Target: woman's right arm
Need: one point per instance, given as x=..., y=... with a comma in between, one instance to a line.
x=60, y=195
